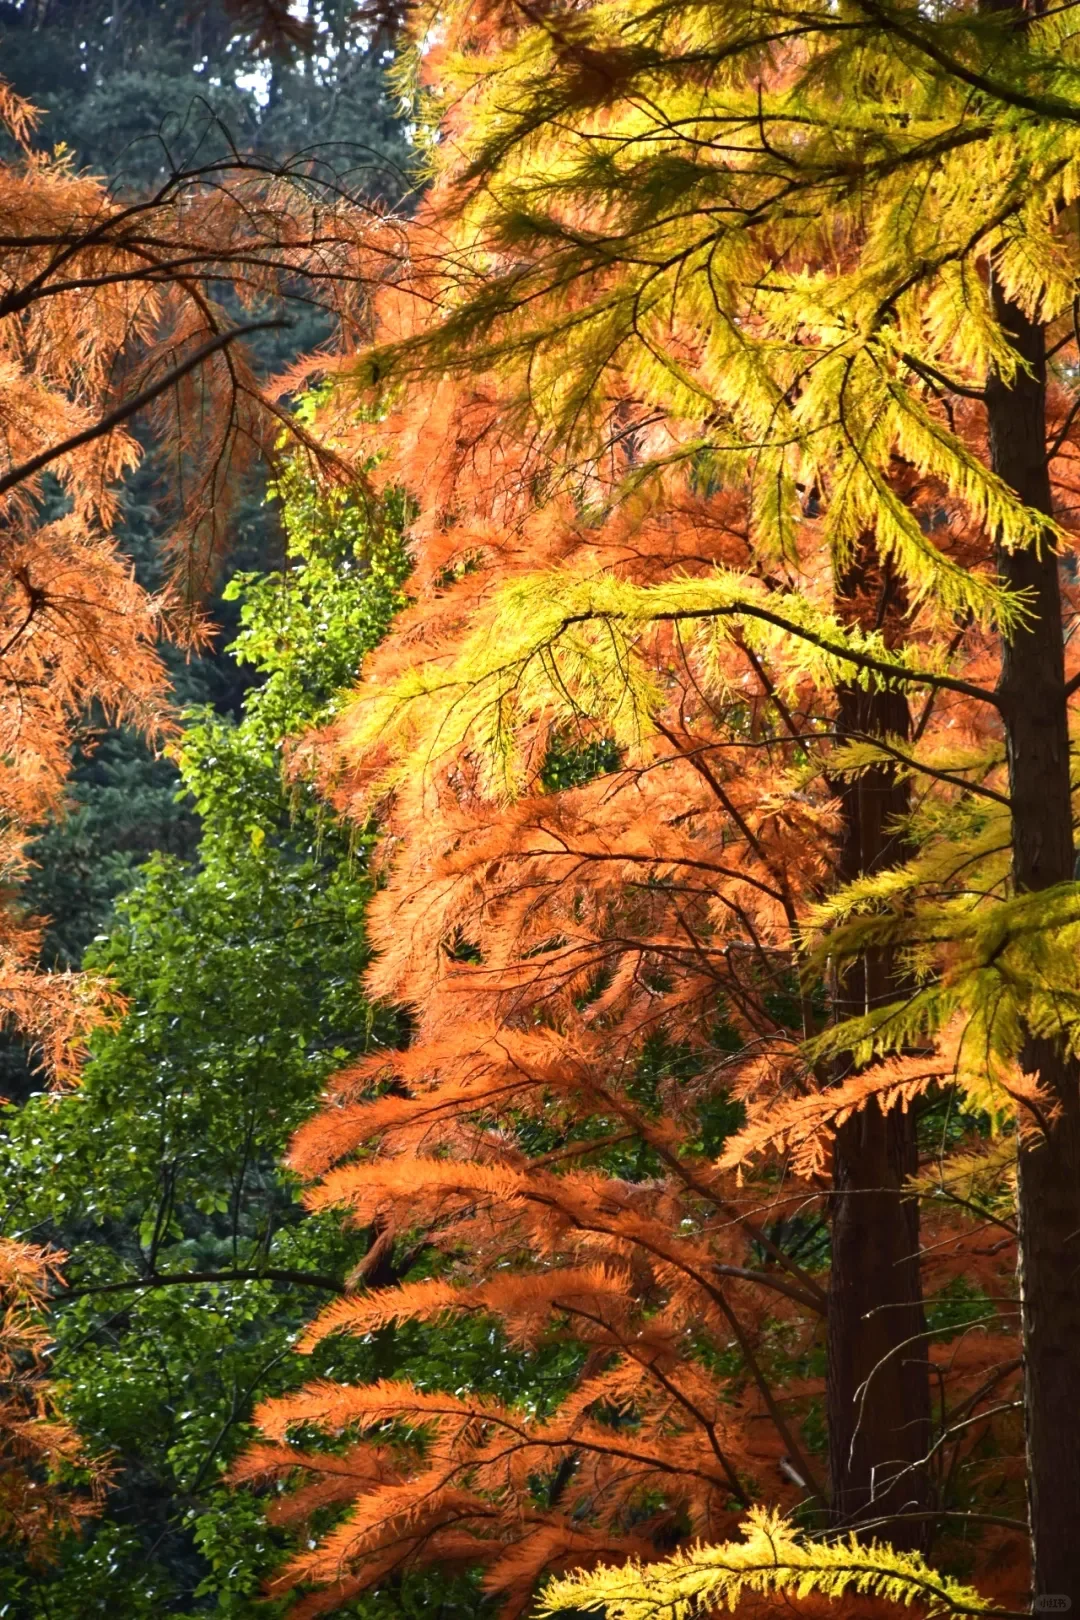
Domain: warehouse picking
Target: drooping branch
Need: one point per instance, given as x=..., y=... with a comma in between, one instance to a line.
x=861, y=660
x=135, y=403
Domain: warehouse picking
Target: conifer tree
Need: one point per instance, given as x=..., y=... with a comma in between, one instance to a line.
x=826, y=263
x=878, y=1385
x=832, y=251
x=593, y=969
x=113, y=308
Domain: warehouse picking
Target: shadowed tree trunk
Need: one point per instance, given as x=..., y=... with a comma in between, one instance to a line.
x=1035, y=713
x=878, y=1390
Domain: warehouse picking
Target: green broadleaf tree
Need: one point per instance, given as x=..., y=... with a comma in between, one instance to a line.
x=242, y=977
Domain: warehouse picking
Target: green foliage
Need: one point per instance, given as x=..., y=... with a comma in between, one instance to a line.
x=567, y=766
x=123, y=806
x=302, y=628
x=241, y=974
x=956, y=1306
x=110, y=1564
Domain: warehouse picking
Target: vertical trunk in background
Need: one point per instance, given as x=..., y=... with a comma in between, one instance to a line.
x=1035, y=714
x=878, y=1384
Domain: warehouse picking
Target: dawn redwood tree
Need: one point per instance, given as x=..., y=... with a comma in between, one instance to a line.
x=112, y=313
x=875, y=1298
x=809, y=257
x=606, y=847
x=878, y=1374
x=520, y=1127
x=829, y=249
x=116, y=311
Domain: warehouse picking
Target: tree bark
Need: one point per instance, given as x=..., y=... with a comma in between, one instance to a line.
x=878, y=1388
x=1035, y=712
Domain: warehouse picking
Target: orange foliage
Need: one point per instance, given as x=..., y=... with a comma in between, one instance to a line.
x=111, y=312
x=596, y=973
x=40, y=1455
x=604, y=969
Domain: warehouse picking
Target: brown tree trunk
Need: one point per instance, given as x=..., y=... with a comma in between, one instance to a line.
x=878, y=1388
x=1035, y=713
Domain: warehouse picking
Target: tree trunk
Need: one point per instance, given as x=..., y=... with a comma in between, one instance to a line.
x=878, y=1388
x=1035, y=712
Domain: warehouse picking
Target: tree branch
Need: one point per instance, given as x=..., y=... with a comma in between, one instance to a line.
x=930, y=373
x=948, y=777
x=937, y=1513
x=129, y=407
x=749, y=610
x=177, y=1279
x=1045, y=106
x=766, y=1279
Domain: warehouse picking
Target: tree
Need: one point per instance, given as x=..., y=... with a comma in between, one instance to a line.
x=826, y=315
x=137, y=89
x=121, y=88
x=594, y=970
x=108, y=310
x=190, y=1268
x=110, y=307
